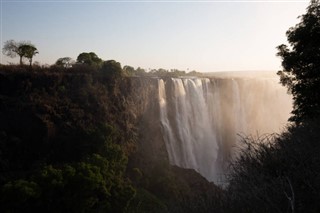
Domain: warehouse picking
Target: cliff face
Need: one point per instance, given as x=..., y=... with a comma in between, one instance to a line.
x=46, y=110
x=144, y=100
x=62, y=118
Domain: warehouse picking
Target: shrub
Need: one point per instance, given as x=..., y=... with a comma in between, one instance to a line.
x=278, y=173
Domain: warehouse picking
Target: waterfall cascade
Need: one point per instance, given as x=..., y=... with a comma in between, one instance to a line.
x=201, y=118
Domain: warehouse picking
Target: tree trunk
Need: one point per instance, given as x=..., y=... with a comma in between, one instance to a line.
x=21, y=63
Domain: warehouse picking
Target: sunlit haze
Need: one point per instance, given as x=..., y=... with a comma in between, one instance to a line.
x=205, y=36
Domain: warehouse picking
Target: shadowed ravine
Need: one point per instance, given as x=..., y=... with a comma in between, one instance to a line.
x=202, y=118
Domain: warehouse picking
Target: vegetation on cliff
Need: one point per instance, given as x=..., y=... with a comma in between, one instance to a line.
x=62, y=148
x=69, y=143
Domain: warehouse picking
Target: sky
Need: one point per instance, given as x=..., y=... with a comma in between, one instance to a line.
x=205, y=36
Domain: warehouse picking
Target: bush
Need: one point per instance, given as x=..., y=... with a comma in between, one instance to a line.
x=278, y=173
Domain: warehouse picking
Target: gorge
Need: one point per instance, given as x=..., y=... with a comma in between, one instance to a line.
x=202, y=120
x=141, y=140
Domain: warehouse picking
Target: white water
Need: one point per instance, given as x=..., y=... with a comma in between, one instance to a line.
x=201, y=118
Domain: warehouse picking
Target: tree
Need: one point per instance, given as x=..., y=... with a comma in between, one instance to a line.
x=112, y=68
x=12, y=48
x=65, y=62
x=90, y=59
x=140, y=71
x=128, y=70
x=29, y=51
x=301, y=64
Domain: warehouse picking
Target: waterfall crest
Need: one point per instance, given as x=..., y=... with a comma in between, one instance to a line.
x=201, y=118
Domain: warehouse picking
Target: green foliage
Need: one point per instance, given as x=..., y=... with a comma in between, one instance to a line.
x=112, y=69
x=128, y=71
x=139, y=72
x=29, y=51
x=90, y=59
x=301, y=64
x=94, y=184
x=89, y=186
x=19, y=195
x=65, y=62
x=173, y=73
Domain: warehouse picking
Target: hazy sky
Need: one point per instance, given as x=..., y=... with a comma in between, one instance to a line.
x=196, y=35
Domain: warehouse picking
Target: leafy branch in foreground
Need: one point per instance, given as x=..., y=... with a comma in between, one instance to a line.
x=301, y=64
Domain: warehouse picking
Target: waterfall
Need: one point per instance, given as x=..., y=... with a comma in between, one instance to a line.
x=201, y=118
